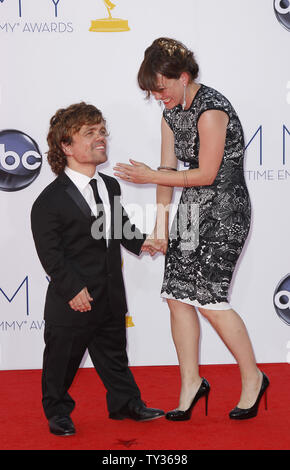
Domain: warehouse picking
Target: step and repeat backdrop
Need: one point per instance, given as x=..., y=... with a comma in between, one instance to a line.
x=58, y=52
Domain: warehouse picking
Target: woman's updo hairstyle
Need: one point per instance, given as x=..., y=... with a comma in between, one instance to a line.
x=167, y=57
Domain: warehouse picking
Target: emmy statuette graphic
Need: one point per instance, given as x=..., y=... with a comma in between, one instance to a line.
x=129, y=321
x=109, y=24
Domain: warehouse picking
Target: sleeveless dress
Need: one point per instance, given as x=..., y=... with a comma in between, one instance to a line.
x=212, y=222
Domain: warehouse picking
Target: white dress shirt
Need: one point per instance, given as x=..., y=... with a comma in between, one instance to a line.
x=82, y=182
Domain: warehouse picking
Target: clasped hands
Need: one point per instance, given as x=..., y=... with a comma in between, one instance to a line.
x=153, y=245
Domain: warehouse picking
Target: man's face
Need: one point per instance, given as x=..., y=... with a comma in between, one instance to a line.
x=88, y=145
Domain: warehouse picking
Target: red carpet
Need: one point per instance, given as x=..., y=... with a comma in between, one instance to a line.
x=23, y=426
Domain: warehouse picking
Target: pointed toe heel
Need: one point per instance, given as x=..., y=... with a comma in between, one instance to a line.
x=179, y=415
x=247, y=413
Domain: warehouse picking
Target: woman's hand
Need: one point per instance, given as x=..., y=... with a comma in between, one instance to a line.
x=153, y=244
x=137, y=172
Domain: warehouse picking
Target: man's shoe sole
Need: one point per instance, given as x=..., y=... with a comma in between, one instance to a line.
x=63, y=434
x=121, y=417
x=150, y=419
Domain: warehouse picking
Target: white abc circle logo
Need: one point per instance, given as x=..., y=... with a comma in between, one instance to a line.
x=4, y=156
x=281, y=299
x=20, y=160
x=277, y=299
x=278, y=4
x=282, y=12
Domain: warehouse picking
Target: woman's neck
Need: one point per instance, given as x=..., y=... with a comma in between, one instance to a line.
x=191, y=90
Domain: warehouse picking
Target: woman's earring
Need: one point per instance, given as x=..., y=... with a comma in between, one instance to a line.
x=184, y=97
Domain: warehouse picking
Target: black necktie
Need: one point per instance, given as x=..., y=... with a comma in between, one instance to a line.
x=100, y=210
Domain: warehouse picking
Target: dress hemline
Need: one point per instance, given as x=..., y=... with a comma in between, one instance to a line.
x=195, y=303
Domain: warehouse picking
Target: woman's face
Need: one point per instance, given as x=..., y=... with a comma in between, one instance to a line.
x=170, y=90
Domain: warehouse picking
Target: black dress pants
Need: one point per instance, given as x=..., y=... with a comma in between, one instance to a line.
x=64, y=349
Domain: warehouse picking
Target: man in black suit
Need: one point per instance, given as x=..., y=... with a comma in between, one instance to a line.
x=78, y=224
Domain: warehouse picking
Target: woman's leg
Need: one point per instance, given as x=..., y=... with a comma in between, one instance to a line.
x=185, y=333
x=233, y=332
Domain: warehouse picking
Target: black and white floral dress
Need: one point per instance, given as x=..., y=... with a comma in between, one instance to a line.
x=212, y=222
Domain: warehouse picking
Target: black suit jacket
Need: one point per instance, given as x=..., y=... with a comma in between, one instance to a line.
x=61, y=222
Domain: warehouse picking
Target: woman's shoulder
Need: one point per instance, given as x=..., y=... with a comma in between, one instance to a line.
x=209, y=94
x=210, y=98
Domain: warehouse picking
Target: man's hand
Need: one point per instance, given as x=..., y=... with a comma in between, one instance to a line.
x=81, y=302
x=153, y=245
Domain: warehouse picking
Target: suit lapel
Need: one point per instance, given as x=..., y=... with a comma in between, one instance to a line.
x=75, y=194
x=109, y=187
x=80, y=201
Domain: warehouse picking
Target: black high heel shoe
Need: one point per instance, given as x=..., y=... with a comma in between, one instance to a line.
x=246, y=413
x=178, y=415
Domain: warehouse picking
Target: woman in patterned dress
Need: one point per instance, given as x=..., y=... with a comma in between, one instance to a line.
x=201, y=129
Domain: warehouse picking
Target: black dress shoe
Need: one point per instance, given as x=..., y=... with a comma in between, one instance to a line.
x=61, y=426
x=139, y=412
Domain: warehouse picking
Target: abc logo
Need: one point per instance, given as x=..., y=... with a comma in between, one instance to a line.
x=282, y=11
x=20, y=160
x=282, y=299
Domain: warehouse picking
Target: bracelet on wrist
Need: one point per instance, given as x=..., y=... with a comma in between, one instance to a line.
x=166, y=168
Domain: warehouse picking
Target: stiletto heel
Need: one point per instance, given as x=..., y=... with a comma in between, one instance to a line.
x=179, y=415
x=246, y=413
x=206, y=403
x=266, y=400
